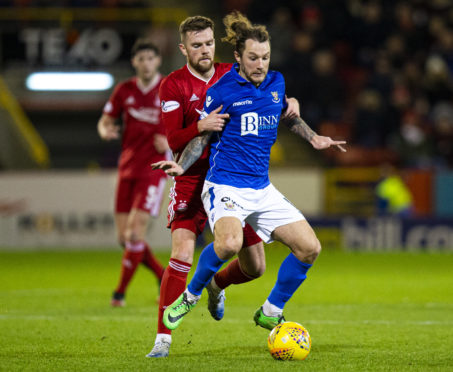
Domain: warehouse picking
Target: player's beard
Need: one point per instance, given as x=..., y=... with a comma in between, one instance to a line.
x=197, y=66
x=251, y=78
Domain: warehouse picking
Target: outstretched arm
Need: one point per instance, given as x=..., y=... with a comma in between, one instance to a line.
x=190, y=155
x=298, y=126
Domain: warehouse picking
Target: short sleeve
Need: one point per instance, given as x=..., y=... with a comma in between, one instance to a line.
x=114, y=107
x=170, y=96
x=172, y=100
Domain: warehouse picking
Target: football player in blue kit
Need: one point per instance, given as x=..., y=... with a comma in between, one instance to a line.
x=237, y=186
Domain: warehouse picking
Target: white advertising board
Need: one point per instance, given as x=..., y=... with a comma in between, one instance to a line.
x=65, y=209
x=75, y=209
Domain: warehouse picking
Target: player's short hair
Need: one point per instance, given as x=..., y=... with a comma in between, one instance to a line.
x=196, y=23
x=144, y=43
x=239, y=29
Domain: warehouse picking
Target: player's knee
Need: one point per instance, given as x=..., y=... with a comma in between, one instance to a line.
x=313, y=249
x=228, y=245
x=308, y=250
x=135, y=229
x=131, y=235
x=182, y=253
x=317, y=247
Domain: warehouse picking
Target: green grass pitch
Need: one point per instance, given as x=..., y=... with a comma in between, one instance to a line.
x=364, y=311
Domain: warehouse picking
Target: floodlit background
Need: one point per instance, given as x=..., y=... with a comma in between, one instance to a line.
x=376, y=73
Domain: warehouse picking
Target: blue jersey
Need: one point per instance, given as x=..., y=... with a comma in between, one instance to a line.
x=239, y=155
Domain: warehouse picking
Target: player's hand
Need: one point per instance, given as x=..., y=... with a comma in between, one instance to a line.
x=170, y=167
x=321, y=142
x=160, y=143
x=214, y=122
x=109, y=132
x=293, y=109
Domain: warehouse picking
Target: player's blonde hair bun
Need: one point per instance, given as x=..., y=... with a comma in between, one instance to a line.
x=238, y=29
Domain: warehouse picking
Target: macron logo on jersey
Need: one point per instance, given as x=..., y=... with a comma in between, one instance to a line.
x=251, y=123
x=242, y=103
x=208, y=100
x=168, y=106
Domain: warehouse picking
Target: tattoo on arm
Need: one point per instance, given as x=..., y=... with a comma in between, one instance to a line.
x=193, y=150
x=299, y=127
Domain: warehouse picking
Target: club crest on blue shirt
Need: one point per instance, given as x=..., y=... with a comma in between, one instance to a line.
x=276, y=99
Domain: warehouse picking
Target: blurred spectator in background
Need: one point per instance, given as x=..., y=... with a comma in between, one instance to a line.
x=368, y=30
x=413, y=141
x=281, y=29
x=325, y=101
x=299, y=67
x=378, y=78
x=393, y=196
x=381, y=78
x=350, y=63
x=311, y=21
x=370, y=128
x=140, y=189
x=437, y=82
x=442, y=116
x=396, y=50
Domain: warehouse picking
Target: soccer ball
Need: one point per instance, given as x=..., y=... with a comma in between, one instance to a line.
x=289, y=341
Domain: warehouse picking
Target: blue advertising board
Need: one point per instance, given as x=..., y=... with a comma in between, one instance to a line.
x=385, y=233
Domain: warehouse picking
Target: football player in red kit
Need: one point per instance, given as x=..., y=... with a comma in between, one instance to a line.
x=183, y=94
x=140, y=189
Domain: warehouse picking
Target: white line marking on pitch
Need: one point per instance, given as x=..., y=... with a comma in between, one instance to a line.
x=147, y=319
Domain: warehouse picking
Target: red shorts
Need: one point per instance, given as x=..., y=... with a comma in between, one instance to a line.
x=186, y=211
x=140, y=193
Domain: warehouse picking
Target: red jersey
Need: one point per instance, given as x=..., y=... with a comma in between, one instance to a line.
x=141, y=117
x=183, y=95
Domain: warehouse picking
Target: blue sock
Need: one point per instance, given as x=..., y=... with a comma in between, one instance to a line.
x=290, y=276
x=208, y=264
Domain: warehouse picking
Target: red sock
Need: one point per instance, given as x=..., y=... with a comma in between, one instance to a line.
x=232, y=274
x=173, y=284
x=151, y=262
x=133, y=255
